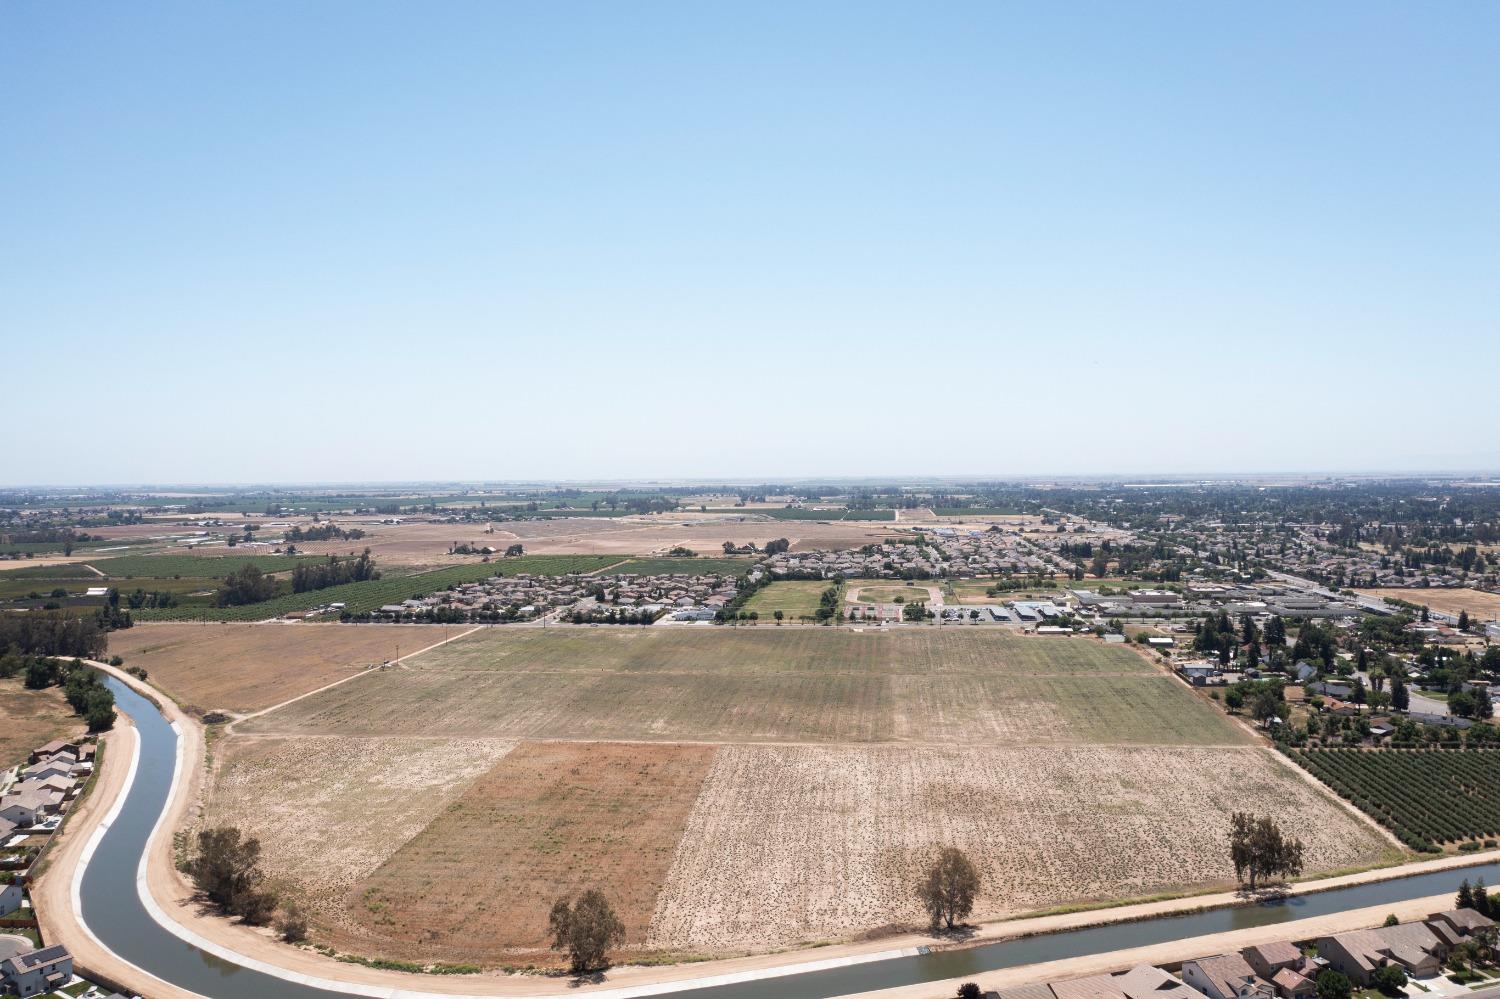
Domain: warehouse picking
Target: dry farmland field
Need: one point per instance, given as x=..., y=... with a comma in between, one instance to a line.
x=738, y=790
x=1481, y=605
x=31, y=718
x=246, y=667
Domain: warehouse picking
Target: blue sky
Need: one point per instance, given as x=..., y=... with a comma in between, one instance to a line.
x=368, y=241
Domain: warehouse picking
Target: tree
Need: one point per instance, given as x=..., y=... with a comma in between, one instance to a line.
x=1333, y=985
x=292, y=924
x=947, y=893
x=1259, y=849
x=587, y=929
x=226, y=869
x=1391, y=920
x=1390, y=979
x=1234, y=699
x=1400, y=697
x=1465, y=898
x=779, y=615
x=1482, y=899
x=1266, y=707
x=1463, y=620
x=515, y=550
x=969, y=990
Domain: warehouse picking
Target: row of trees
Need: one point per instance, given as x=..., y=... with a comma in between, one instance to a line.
x=334, y=572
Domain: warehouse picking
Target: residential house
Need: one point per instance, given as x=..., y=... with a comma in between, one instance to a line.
x=10, y=898
x=1146, y=981
x=1456, y=925
x=37, y=971
x=23, y=810
x=1228, y=976
x=1267, y=959
x=55, y=747
x=1358, y=954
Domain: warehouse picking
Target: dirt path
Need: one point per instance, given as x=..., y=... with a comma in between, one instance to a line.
x=229, y=729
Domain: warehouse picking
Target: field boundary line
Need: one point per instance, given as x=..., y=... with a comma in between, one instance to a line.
x=229, y=729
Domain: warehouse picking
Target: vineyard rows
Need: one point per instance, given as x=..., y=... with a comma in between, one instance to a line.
x=359, y=598
x=1425, y=797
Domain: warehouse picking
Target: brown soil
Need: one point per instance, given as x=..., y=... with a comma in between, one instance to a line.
x=549, y=820
x=245, y=667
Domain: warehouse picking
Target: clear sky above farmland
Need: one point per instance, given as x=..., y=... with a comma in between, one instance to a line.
x=329, y=241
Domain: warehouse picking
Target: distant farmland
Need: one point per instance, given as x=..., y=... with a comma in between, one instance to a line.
x=371, y=594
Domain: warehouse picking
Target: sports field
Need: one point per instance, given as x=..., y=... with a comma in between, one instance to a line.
x=795, y=599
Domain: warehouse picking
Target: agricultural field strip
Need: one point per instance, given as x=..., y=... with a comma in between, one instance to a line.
x=855, y=825
x=775, y=707
x=767, y=649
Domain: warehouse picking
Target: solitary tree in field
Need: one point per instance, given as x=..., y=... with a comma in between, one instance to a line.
x=1260, y=850
x=586, y=929
x=948, y=891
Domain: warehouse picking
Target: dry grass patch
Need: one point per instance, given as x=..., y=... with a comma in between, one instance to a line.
x=550, y=819
x=1480, y=605
x=329, y=811
x=31, y=718
x=854, y=826
x=246, y=667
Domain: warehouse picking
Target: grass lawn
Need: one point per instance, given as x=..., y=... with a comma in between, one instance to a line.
x=888, y=595
x=794, y=598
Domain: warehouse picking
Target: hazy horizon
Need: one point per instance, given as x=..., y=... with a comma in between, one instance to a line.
x=353, y=242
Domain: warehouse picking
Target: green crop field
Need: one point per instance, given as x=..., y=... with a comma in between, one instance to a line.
x=366, y=596
x=794, y=598
x=771, y=684
x=1424, y=796
x=683, y=566
x=976, y=511
x=212, y=566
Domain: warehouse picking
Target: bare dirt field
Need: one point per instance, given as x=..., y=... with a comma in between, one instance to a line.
x=348, y=804
x=246, y=667
x=549, y=820
x=1480, y=605
x=32, y=718
x=768, y=685
x=651, y=762
x=1046, y=826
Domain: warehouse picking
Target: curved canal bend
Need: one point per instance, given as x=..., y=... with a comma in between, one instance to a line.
x=113, y=911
